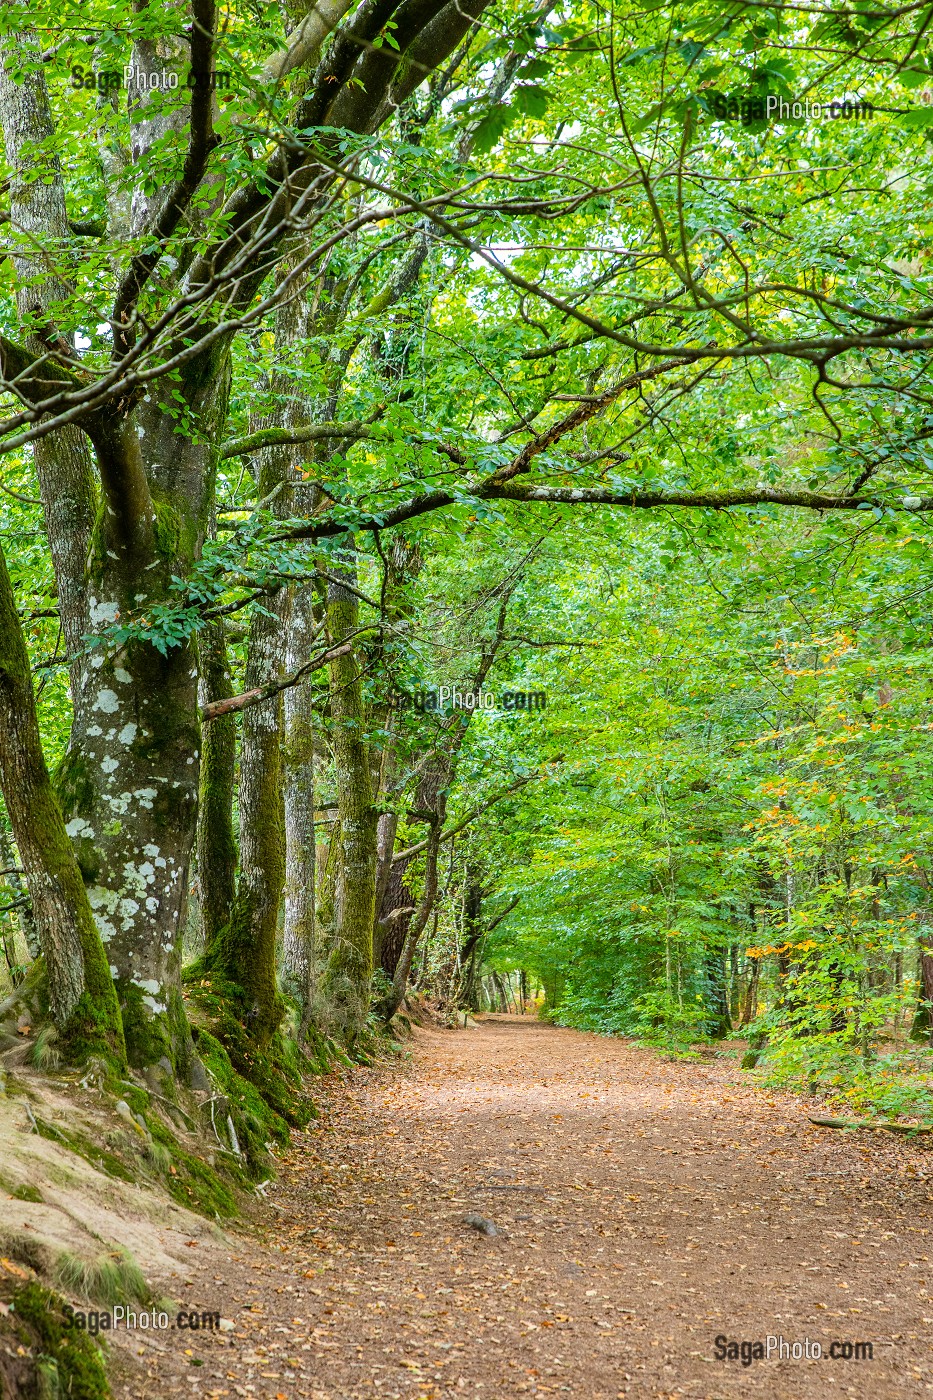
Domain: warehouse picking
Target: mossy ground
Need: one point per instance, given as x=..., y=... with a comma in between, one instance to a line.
x=54, y=1358
x=153, y=1152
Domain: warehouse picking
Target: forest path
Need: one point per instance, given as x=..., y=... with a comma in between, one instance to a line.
x=643, y=1207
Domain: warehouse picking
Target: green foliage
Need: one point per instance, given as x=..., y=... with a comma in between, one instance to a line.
x=751, y=816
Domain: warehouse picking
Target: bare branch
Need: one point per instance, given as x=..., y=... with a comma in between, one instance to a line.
x=234, y=703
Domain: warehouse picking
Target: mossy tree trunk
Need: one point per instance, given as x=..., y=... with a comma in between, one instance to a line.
x=420, y=918
x=300, y=954
x=129, y=781
x=347, y=977
x=243, y=952
x=82, y=998
x=216, y=844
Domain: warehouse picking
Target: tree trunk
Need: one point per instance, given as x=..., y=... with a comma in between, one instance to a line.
x=718, y=1023
x=300, y=953
x=8, y=861
x=216, y=846
x=82, y=999
x=346, y=981
x=473, y=936
x=750, y=1009
x=922, y=1028
x=63, y=459
x=243, y=952
x=420, y=919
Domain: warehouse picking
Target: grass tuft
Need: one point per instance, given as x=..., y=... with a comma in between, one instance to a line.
x=109, y=1279
x=44, y=1055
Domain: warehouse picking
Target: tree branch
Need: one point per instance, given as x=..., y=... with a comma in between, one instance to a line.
x=201, y=141
x=721, y=499
x=304, y=42
x=234, y=703
x=452, y=831
x=595, y=404
x=288, y=437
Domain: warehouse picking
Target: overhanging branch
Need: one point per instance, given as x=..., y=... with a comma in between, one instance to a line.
x=234, y=703
x=455, y=830
x=289, y=437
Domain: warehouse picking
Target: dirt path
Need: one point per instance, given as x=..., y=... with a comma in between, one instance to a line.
x=643, y=1208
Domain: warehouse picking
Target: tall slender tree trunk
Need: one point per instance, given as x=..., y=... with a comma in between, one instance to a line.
x=346, y=980
x=216, y=845
x=244, y=951
x=82, y=998
x=300, y=951
x=922, y=1028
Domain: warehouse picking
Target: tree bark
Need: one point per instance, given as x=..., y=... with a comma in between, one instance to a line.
x=82, y=999
x=419, y=920
x=62, y=460
x=300, y=952
x=347, y=977
x=216, y=845
x=922, y=1028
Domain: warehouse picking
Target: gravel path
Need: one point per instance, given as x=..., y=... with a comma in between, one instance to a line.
x=642, y=1209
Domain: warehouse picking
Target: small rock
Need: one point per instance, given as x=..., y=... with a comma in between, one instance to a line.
x=124, y=1109
x=480, y=1224
x=198, y=1077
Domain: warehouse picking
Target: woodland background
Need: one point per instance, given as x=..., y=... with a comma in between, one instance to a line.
x=462, y=345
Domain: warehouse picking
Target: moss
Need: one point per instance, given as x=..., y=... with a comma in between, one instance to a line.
x=24, y=1192
x=254, y=1121
x=153, y=1036
x=189, y=1179
x=27, y=1193
x=73, y=785
x=95, y=1027
x=85, y=1147
x=176, y=533
x=263, y=1085
x=217, y=849
x=196, y=1185
x=67, y=1362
